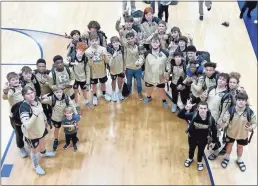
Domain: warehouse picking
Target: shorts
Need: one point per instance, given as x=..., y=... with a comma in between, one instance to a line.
x=243, y=142
x=82, y=84
x=56, y=124
x=101, y=80
x=162, y=85
x=34, y=143
x=121, y=75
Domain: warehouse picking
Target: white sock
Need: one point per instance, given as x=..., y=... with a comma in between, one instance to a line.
x=239, y=159
x=227, y=156
x=199, y=163
x=190, y=159
x=35, y=159
x=114, y=91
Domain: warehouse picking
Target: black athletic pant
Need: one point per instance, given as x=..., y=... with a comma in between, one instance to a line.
x=183, y=93
x=18, y=134
x=250, y=5
x=198, y=138
x=163, y=8
x=68, y=137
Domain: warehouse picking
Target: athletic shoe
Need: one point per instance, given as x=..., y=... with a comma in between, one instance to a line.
x=120, y=96
x=114, y=97
x=23, y=153
x=66, y=146
x=107, y=97
x=95, y=100
x=165, y=105
x=39, y=170
x=48, y=154
x=140, y=96
x=174, y=108
x=147, y=100
x=75, y=148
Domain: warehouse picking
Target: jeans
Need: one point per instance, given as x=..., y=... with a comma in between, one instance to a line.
x=153, y=5
x=137, y=74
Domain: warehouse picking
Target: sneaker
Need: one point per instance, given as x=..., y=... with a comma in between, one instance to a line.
x=120, y=96
x=39, y=170
x=209, y=8
x=23, y=153
x=75, y=148
x=48, y=154
x=147, y=100
x=200, y=166
x=174, y=108
x=165, y=105
x=107, y=97
x=114, y=97
x=95, y=100
x=88, y=104
x=55, y=145
x=66, y=146
x=140, y=96
x=201, y=18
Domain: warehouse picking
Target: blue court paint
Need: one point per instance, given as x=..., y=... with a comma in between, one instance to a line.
x=205, y=158
x=8, y=167
x=40, y=47
x=251, y=28
x=39, y=31
x=6, y=170
x=7, y=148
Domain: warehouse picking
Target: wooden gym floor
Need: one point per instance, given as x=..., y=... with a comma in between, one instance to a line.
x=125, y=142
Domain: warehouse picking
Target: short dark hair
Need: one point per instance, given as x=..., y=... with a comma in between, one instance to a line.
x=41, y=61
x=210, y=64
x=26, y=89
x=75, y=32
x=242, y=96
x=94, y=24
x=225, y=76
x=26, y=69
x=129, y=19
x=203, y=103
x=178, y=53
x=57, y=57
x=129, y=34
x=191, y=48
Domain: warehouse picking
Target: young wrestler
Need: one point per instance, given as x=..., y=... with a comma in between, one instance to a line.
x=117, y=67
x=62, y=76
x=76, y=37
x=178, y=75
x=210, y=75
x=161, y=31
x=58, y=102
x=240, y=120
x=128, y=27
x=149, y=25
x=219, y=100
x=34, y=127
x=70, y=125
x=27, y=78
x=174, y=36
x=98, y=59
x=41, y=74
x=133, y=62
x=81, y=70
x=157, y=71
x=192, y=56
x=182, y=46
x=94, y=28
x=201, y=125
x=12, y=93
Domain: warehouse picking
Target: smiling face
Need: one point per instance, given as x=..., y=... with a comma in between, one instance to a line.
x=233, y=83
x=27, y=75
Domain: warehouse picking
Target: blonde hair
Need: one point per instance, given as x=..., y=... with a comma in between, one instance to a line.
x=69, y=109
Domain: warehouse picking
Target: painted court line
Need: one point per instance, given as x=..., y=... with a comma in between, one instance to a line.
x=6, y=170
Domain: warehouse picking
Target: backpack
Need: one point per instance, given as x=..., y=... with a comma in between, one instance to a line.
x=65, y=96
x=102, y=34
x=204, y=55
x=226, y=96
x=54, y=73
x=204, y=87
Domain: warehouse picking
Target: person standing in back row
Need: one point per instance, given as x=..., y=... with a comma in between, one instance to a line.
x=208, y=4
x=163, y=7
